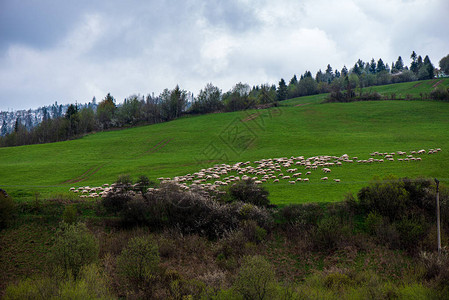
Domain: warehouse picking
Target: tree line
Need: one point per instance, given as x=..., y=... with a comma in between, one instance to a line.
x=172, y=104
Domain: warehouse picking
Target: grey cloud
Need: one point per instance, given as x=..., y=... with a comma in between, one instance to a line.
x=73, y=50
x=40, y=24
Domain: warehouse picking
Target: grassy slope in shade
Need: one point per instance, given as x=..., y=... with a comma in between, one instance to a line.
x=301, y=126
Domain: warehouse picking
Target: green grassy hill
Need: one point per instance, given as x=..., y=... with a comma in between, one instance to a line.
x=301, y=126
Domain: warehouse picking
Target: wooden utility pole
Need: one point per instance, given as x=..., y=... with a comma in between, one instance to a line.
x=438, y=217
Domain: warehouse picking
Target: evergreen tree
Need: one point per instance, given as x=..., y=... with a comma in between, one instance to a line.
x=419, y=62
x=399, y=65
x=344, y=71
x=282, y=90
x=380, y=66
x=329, y=75
x=429, y=67
x=372, y=66
x=293, y=81
x=414, y=65
x=320, y=77
x=337, y=74
x=356, y=70
x=308, y=74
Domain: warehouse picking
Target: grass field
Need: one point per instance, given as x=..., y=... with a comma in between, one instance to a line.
x=301, y=126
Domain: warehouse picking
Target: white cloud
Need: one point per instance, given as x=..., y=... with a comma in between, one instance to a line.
x=143, y=47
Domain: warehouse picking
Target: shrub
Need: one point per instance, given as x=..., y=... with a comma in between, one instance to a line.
x=253, y=232
x=143, y=183
x=115, y=200
x=388, y=198
x=124, y=181
x=411, y=230
x=249, y=192
x=186, y=289
x=139, y=261
x=7, y=210
x=256, y=279
x=303, y=215
x=337, y=281
x=330, y=233
x=39, y=289
x=74, y=247
x=191, y=212
x=440, y=93
x=136, y=211
x=70, y=214
x=251, y=212
x=91, y=284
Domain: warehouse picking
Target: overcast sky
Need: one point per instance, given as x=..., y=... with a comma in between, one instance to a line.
x=67, y=51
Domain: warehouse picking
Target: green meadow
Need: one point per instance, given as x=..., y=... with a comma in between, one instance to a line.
x=299, y=127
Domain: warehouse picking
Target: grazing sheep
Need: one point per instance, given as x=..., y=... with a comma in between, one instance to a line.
x=324, y=178
x=337, y=180
x=292, y=182
x=306, y=179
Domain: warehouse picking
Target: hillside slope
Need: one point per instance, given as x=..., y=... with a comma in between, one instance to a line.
x=301, y=126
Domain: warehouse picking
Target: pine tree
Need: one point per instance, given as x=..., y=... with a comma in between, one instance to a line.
x=380, y=66
x=399, y=65
x=293, y=81
x=344, y=71
x=282, y=90
x=372, y=66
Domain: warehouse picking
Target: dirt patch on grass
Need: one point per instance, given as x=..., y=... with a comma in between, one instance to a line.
x=85, y=175
x=157, y=147
x=302, y=104
x=251, y=117
x=437, y=84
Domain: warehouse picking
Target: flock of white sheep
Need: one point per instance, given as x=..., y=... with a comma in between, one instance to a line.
x=291, y=170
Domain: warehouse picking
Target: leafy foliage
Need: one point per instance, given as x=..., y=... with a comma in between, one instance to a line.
x=138, y=262
x=74, y=247
x=256, y=279
x=249, y=192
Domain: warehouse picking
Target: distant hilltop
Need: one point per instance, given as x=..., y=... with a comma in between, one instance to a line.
x=32, y=117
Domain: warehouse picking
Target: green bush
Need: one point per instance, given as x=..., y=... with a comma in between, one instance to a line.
x=411, y=230
x=91, y=284
x=115, y=200
x=302, y=215
x=253, y=232
x=191, y=212
x=139, y=262
x=7, y=210
x=74, y=248
x=387, y=197
x=256, y=279
x=136, y=211
x=143, y=183
x=70, y=214
x=330, y=233
x=32, y=289
x=249, y=192
x=440, y=93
